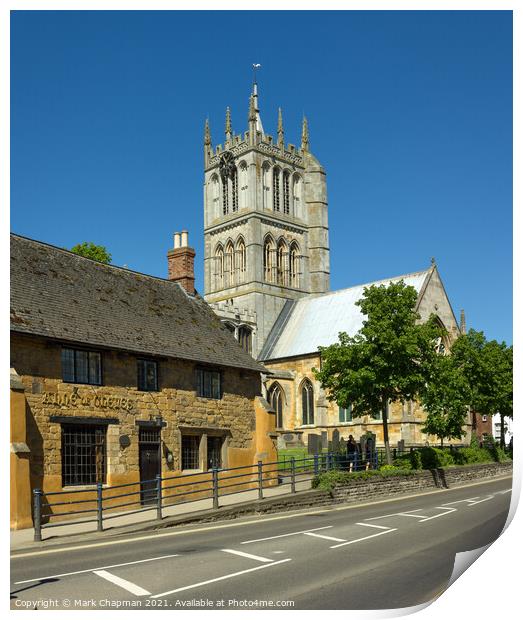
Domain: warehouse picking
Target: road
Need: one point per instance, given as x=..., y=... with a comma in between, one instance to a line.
x=389, y=554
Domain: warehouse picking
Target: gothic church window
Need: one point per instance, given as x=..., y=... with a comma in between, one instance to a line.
x=294, y=265
x=234, y=188
x=276, y=400
x=286, y=192
x=245, y=338
x=307, y=402
x=268, y=253
x=218, y=268
x=241, y=261
x=281, y=255
x=276, y=189
x=225, y=196
x=229, y=265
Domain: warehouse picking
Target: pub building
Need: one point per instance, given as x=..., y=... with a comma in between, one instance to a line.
x=117, y=376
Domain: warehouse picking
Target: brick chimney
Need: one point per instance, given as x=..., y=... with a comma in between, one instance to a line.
x=180, y=261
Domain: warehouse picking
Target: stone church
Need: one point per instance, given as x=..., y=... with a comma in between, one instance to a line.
x=267, y=275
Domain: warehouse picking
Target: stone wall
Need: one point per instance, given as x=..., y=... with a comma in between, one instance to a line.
x=38, y=363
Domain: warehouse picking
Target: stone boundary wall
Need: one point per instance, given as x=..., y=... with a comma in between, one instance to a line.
x=356, y=491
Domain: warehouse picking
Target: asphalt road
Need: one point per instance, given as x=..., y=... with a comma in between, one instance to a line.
x=390, y=554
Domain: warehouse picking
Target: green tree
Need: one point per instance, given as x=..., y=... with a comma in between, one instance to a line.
x=87, y=249
x=388, y=360
x=446, y=399
x=487, y=366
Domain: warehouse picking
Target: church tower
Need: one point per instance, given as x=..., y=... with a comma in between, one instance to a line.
x=265, y=225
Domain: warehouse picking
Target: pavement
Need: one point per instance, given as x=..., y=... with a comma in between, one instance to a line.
x=393, y=553
x=125, y=521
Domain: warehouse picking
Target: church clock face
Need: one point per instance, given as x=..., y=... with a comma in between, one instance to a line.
x=226, y=165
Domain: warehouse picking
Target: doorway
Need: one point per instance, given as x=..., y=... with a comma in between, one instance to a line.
x=149, y=454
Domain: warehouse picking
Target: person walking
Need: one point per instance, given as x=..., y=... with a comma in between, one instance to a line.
x=352, y=453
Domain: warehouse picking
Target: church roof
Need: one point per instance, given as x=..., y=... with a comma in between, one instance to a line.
x=316, y=320
x=60, y=295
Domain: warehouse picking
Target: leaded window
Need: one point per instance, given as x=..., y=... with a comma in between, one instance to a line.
x=345, y=414
x=147, y=375
x=191, y=451
x=234, y=183
x=83, y=454
x=307, y=402
x=286, y=193
x=80, y=366
x=276, y=189
x=208, y=383
x=276, y=401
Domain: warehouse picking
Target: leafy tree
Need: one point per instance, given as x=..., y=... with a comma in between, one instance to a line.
x=388, y=360
x=87, y=249
x=446, y=399
x=487, y=367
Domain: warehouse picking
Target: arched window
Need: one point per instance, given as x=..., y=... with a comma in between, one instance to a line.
x=234, y=189
x=215, y=196
x=286, y=192
x=268, y=259
x=275, y=397
x=266, y=186
x=218, y=268
x=281, y=256
x=243, y=185
x=225, y=195
x=240, y=261
x=245, y=338
x=276, y=189
x=294, y=265
x=296, y=195
x=229, y=264
x=307, y=402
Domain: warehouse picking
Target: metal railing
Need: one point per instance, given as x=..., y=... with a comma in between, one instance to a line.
x=102, y=503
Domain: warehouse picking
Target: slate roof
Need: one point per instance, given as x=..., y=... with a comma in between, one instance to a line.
x=316, y=320
x=59, y=295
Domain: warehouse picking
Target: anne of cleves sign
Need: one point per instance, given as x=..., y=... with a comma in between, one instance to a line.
x=87, y=400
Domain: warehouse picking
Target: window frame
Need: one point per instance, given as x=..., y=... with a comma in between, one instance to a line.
x=198, y=436
x=76, y=350
x=346, y=412
x=75, y=454
x=144, y=388
x=307, y=403
x=200, y=370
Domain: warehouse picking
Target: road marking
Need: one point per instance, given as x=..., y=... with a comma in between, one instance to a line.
x=203, y=583
x=395, y=514
x=441, y=514
x=156, y=535
x=316, y=529
x=406, y=514
x=90, y=570
x=380, y=527
x=326, y=537
x=482, y=500
x=123, y=583
x=350, y=542
x=459, y=501
x=248, y=555
x=503, y=492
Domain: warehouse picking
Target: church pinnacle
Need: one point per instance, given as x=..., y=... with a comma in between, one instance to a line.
x=305, y=135
x=228, y=129
x=207, y=133
x=281, y=141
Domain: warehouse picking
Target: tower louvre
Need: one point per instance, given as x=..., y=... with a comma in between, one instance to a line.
x=265, y=226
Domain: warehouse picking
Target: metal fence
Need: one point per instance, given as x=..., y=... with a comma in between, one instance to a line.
x=103, y=503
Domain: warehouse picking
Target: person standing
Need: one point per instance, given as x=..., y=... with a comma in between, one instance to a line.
x=352, y=453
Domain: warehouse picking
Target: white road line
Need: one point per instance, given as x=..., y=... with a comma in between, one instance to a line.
x=393, y=514
x=380, y=527
x=482, y=500
x=441, y=514
x=326, y=537
x=406, y=514
x=123, y=583
x=203, y=583
x=459, y=501
x=248, y=555
x=350, y=542
x=316, y=529
x=90, y=570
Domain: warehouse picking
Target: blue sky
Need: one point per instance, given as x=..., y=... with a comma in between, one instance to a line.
x=409, y=112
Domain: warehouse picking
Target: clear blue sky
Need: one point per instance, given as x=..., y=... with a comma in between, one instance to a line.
x=409, y=112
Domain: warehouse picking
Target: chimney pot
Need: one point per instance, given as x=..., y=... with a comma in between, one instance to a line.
x=176, y=240
x=185, y=239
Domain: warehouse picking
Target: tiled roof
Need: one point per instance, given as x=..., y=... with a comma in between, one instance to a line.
x=57, y=294
x=317, y=320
